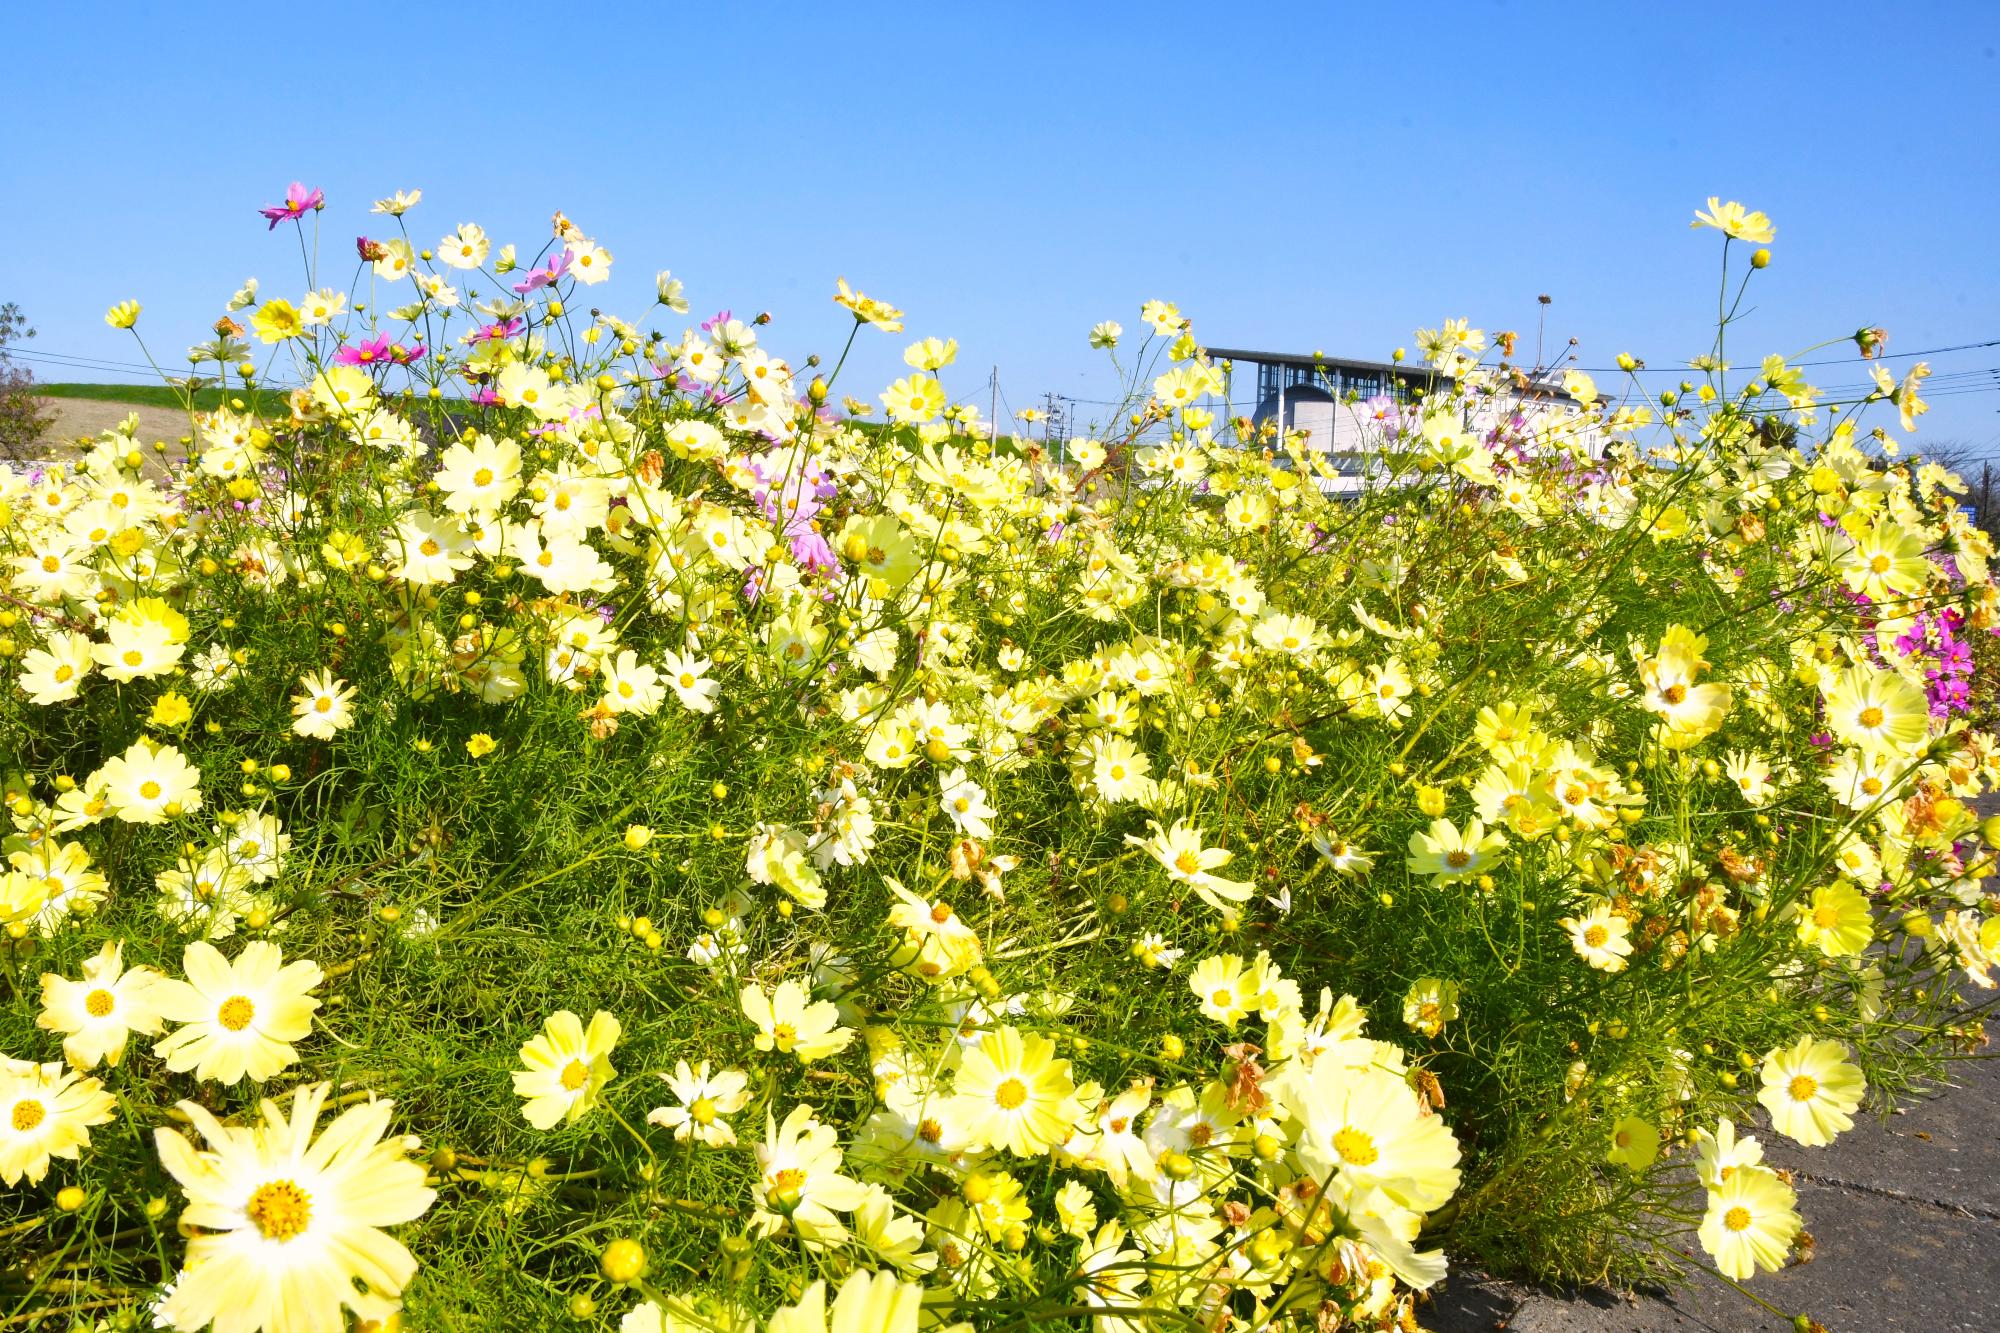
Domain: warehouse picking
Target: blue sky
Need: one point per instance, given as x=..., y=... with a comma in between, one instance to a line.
x=1314, y=176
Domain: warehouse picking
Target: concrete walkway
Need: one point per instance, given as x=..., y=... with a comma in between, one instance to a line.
x=1907, y=1219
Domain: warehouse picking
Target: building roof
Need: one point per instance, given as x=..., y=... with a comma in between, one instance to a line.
x=1308, y=361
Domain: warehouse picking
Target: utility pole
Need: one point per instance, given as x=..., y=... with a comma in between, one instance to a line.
x=993, y=416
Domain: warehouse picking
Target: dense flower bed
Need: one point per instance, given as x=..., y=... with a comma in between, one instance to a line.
x=547, y=820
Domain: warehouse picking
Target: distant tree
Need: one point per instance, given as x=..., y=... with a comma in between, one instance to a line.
x=22, y=418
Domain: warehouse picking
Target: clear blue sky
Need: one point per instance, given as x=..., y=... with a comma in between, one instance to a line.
x=1319, y=176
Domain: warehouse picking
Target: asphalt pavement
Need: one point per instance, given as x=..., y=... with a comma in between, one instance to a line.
x=1907, y=1219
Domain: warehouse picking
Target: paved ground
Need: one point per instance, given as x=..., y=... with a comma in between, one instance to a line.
x=1907, y=1216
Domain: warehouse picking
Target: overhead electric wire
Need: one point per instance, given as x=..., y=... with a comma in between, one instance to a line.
x=1683, y=368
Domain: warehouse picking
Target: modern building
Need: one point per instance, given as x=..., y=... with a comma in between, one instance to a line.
x=1326, y=397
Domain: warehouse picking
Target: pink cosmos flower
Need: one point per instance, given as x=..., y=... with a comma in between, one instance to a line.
x=373, y=352
x=543, y=277
x=297, y=200
x=378, y=351
x=487, y=333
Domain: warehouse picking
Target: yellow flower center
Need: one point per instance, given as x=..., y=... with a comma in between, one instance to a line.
x=1355, y=1147
x=429, y=547
x=1458, y=858
x=1871, y=717
x=323, y=704
x=1187, y=862
x=133, y=657
x=1595, y=936
x=1223, y=998
x=1803, y=1088
x=702, y=1112
x=1826, y=918
x=236, y=1013
x=783, y=1035
x=1011, y=1094
x=150, y=790
x=483, y=477
x=98, y=1003
x=1737, y=1218
x=27, y=1114
x=574, y=1075
x=1880, y=564
x=280, y=1209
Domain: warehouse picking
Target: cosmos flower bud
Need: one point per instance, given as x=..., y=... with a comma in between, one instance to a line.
x=623, y=1261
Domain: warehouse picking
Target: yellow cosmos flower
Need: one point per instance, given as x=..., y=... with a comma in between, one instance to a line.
x=1447, y=854
x=869, y=311
x=567, y=1067
x=1878, y=711
x=1600, y=937
x=1015, y=1093
x=238, y=1018
x=1811, y=1090
x=100, y=1012
x=1734, y=220
x=45, y=1111
x=1634, y=1143
x=285, y=1230
x=867, y=1303
x=914, y=399
x=1837, y=921
x=277, y=320
x=790, y=1023
x=1750, y=1223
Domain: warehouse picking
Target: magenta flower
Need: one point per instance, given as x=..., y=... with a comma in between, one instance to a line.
x=487, y=333
x=297, y=200
x=544, y=277
x=378, y=351
x=374, y=352
x=812, y=552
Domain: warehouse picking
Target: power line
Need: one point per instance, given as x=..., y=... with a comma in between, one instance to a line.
x=1825, y=361
x=79, y=362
